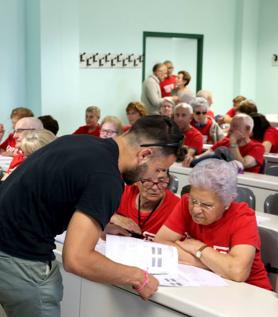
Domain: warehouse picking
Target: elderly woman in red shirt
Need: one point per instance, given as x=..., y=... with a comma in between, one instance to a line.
x=213, y=231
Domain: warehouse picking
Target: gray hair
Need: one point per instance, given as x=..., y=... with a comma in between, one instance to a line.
x=183, y=105
x=217, y=176
x=199, y=102
x=247, y=120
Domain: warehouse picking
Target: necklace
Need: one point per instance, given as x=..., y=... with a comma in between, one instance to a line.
x=141, y=225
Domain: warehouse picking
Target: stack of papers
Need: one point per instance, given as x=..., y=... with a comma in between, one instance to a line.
x=160, y=260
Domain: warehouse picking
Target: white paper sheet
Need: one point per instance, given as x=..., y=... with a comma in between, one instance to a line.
x=188, y=275
x=153, y=257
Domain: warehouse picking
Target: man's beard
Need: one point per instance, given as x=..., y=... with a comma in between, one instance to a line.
x=132, y=176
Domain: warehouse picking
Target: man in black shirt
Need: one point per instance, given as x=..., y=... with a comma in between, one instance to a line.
x=74, y=183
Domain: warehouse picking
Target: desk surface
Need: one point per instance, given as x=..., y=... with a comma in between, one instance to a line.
x=234, y=300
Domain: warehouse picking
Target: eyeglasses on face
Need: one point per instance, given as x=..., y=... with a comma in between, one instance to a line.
x=201, y=112
x=21, y=130
x=203, y=206
x=107, y=131
x=148, y=183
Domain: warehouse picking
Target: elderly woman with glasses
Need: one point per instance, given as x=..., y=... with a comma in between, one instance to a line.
x=210, y=130
x=110, y=127
x=144, y=207
x=213, y=231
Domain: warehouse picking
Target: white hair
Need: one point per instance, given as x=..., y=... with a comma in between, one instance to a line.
x=183, y=105
x=247, y=120
x=199, y=102
x=217, y=176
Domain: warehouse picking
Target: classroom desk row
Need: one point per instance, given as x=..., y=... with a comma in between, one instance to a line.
x=83, y=298
x=262, y=185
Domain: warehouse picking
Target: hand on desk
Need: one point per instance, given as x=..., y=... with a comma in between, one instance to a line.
x=149, y=289
x=125, y=223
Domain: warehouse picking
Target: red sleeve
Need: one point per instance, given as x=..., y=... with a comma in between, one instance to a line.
x=245, y=230
x=270, y=136
x=257, y=151
x=223, y=142
x=80, y=130
x=177, y=220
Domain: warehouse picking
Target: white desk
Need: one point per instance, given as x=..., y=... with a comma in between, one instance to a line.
x=234, y=300
x=262, y=185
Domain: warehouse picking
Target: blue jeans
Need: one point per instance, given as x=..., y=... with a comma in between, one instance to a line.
x=30, y=288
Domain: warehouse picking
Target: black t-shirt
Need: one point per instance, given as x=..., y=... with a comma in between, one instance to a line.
x=37, y=201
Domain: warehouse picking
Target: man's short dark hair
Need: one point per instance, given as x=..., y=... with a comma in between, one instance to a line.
x=49, y=123
x=158, y=131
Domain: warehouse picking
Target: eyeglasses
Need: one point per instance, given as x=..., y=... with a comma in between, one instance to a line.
x=201, y=112
x=203, y=206
x=21, y=130
x=148, y=183
x=107, y=131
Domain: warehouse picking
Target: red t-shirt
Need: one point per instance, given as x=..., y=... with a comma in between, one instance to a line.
x=204, y=130
x=237, y=226
x=128, y=209
x=9, y=144
x=193, y=139
x=271, y=135
x=231, y=112
x=126, y=127
x=253, y=148
x=85, y=130
x=167, y=85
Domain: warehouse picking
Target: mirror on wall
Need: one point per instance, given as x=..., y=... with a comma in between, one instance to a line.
x=184, y=50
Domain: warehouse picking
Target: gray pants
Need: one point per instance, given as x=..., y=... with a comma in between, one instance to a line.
x=29, y=288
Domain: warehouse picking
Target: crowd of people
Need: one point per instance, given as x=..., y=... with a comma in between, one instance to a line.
x=107, y=177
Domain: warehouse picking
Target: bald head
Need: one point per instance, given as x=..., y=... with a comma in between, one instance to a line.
x=25, y=124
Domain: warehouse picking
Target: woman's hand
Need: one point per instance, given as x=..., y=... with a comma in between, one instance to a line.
x=126, y=223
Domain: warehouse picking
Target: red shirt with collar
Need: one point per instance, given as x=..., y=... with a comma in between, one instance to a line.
x=128, y=209
x=193, y=139
x=253, y=148
x=167, y=85
x=85, y=130
x=237, y=226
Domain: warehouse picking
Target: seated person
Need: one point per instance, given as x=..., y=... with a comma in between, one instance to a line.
x=167, y=107
x=110, y=127
x=182, y=90
x=144, y=207
x=30, y=141
x=241, y=148
x=213, y=231
x=193, y=139
x=208, y=127
x=92, y=126
x=232, y=112
x=208, y=96
x=247, y=106
x=8, y=147
x=134, y=111
x=49, y=123
x=265, y=133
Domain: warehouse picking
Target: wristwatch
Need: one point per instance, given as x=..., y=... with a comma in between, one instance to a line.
x=198, y=253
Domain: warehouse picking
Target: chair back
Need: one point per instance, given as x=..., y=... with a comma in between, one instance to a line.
x=269, y=246
x=247, y=195
x=271, y=170
x=271, y=204
x=185, y=189
x=173, y=184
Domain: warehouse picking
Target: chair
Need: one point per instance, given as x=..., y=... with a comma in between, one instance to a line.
x=269, y=246
x=271, y=204
x=246, y=194
x=173, y=183
x=185, y=189
x=272, y=170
